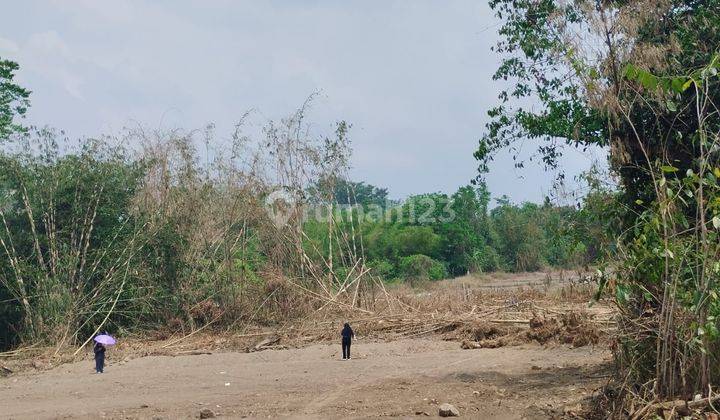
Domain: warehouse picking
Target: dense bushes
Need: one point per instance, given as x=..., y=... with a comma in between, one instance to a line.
x=467, y=237
x=98, y=234
x=95, y=234
x=460, y=233
x=68, y=231
x=417, y=268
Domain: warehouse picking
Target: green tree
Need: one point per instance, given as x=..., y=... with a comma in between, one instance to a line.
x=66, y=229
x=466, y=237
x=578, y=103
x=391, y=241
x=13, y=99
x=418, y=268
x=347, y=192
x=520, y=237
x=641, y=78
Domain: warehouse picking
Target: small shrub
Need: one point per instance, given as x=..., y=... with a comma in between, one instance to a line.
x=383, y=269
x=420, y=267
x=485, y=260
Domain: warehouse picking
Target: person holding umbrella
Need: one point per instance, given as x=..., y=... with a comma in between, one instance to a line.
x=101, y=341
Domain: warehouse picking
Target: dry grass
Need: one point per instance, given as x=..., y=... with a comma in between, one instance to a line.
x=462, y=310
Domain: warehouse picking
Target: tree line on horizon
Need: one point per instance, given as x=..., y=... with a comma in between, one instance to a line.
x=435, y=235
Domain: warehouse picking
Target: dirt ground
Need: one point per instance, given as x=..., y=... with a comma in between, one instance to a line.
x=406, y=378
x=398, y=372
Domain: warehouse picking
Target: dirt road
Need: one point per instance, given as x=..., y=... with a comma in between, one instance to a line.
x=406, y=378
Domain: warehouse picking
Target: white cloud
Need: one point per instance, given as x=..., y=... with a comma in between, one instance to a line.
x=412, y=77
x=48, y=55
x=8, y=46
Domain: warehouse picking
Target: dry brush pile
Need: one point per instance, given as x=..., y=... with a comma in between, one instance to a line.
x=474, y=317
x=464, y=312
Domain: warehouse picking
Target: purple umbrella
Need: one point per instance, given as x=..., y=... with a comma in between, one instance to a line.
x=105, y=339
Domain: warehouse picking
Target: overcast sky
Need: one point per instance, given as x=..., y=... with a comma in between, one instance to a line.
x=413, y=77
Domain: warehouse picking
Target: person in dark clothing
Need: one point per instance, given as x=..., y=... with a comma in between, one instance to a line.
x=347, y=336
x=99, y=350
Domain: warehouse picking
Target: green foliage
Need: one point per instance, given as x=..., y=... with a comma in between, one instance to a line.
x=468, y=235
x=13, y=99
x=93, y=235
x=349, y=193
x=390, y=242
x=465, y=236
x=156, y=242
x=417, y=268
x=485, y=259
x=520, y=239
x=643, y=80
x=533, y=49
x=67, y=229
x=383, y=269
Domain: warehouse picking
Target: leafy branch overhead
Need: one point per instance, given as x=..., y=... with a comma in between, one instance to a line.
x=13, y=99
x=564, y=64
x=640, y=78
